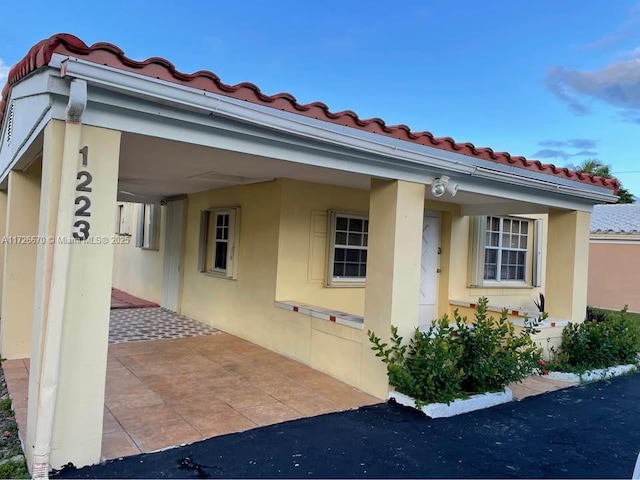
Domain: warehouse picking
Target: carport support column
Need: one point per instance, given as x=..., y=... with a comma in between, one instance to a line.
x=567, y=264
x=23, y=204
x=72, y=362
x=396, y=210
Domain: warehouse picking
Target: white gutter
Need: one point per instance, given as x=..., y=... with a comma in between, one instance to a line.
x=435, y=160
x=50, y=359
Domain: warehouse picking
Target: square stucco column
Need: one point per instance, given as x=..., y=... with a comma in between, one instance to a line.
x=396, y=211
x=4, y=195
x=20, y=247
x=567, y=264
x=67, y=382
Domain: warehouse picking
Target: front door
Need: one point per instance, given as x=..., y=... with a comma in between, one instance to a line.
x=172, y=268
x=430, y=268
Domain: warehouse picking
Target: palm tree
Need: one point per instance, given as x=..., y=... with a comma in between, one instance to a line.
x=600, y=169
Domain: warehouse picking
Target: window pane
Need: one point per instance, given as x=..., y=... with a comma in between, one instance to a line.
x=355, y=225
x=353, y=255
x=219, y=234
x=363, y=270
x=523, y=242
x=338, y=269
x=363, y=256
x=495, y=224
x=220, y=220
x=355, y=239
x=504, y=272
x=341, y=223
x=341, y=238
x=366, y=225
x=521, y=258
x=351, y=270
x=339, y=254
x=489, y=272
x=490, y=256
x=524, y=227
x=506, y=239
x=520, y=273
x=221, y=256
x=365, y=239
x=515, y=241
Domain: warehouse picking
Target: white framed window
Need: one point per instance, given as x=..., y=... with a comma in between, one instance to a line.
x=147, y=226
x=348, y=245
x=504, y=251
x=506, y=247
x=123, y=219
x=219, y=235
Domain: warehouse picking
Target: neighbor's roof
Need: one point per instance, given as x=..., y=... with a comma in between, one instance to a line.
x=108, y=54
x=620, y=218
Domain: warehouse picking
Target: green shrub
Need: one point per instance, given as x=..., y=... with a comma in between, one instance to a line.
x=493, y=354
x=603, y=342
x=440, y=365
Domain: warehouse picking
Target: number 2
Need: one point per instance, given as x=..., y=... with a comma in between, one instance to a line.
x=85, y=180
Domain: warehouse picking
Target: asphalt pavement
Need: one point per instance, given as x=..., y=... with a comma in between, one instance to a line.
x=591, y=431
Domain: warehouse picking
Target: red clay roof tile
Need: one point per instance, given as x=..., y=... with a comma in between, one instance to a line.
x=108, y=54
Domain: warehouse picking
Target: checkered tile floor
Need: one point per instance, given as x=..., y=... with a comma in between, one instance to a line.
x=139, y=324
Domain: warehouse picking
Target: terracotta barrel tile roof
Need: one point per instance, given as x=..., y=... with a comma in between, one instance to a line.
x=108, y=54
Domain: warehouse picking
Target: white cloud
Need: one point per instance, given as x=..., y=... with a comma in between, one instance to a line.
x=628, y=29
x=4, y=71
x=617, y=84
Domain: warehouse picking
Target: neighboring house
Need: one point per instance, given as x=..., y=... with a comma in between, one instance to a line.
x=292, y=226
x=614, y=257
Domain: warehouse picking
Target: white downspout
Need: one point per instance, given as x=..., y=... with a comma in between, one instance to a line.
x=50, y=359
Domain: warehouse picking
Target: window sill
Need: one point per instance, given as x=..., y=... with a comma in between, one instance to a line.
x=341, y=318
x=217, y=275
x=516, y=311
x=505, y=285
x=345, y=283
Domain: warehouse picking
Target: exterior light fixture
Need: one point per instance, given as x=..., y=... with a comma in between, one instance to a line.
x=441, y=185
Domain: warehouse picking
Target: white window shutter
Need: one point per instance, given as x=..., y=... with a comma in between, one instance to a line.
x=119, y=210
x=140, y=225
x=204, y=228
x=155, y=227
x=537, y=253
x=331, y=247
x=232, y=243
x=477, y=242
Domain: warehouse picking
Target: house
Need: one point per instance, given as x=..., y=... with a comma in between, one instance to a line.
x=614, y=257
x=253, y=213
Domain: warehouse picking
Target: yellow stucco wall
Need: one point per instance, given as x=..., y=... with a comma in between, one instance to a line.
x=245, y=306
x=302, y=247
x=138, y=271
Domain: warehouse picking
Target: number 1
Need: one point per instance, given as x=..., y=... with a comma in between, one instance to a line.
x=85, y=155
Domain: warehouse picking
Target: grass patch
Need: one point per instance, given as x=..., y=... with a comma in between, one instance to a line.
x=634, y=317
x=5, y=405
x=14, y=469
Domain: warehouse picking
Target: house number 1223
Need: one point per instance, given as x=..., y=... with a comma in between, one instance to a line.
x=82, y=226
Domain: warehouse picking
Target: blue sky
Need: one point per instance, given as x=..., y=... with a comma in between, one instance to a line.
x=554, y=81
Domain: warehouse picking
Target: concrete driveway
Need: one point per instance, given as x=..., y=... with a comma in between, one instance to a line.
x=591, y=431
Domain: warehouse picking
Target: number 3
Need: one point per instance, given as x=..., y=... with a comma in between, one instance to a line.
x=83, y=230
